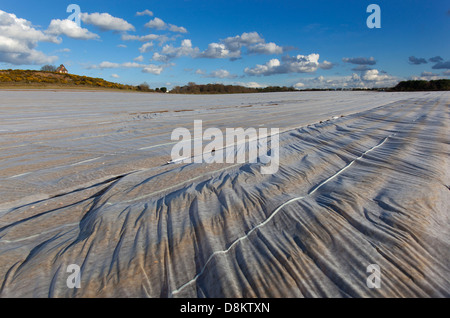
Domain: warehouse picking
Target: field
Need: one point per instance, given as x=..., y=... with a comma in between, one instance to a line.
x=363, y=179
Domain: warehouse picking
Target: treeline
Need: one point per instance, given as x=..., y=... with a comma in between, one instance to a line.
x=434, y=85
x=193, y=88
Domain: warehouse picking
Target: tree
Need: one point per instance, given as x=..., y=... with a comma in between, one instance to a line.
x=48, y=68
x=164, y=89
x=144, y=87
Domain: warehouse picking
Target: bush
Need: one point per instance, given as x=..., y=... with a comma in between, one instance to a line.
x=48, y=68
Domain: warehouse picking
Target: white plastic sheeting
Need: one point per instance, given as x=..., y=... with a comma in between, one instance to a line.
x=84, y=181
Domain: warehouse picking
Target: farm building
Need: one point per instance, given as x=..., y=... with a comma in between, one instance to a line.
x=62, y=69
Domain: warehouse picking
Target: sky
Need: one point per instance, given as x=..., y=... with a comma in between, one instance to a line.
x=254, y=43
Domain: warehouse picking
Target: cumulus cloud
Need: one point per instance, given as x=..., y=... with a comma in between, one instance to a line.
x=219, y=51
x=250, y=84
x=146, y=68
x=145, y=12
x=140, y=58
x=271, y=67
x=146, y=47
x=107, y=65
x=231, y=47
x=153, y=69
x=361, y=68
x=70, y=29
x=441, y=65
x=416, y=60
x=106, y=22
x=436, y=59
x=18, y=40
x=428, y=74
x=159, y=24
x=146, y=38
x=265, y=48
x=374, y=75
x=325, y=65
x=235, y=43
x=294, y=64
x=104, y=65
x=156, y=23
x=178, y=29
x=169, y=52
x=142, y=38
x=370, y=79
x=359, y=60
x=115, y=76
x=218, y=74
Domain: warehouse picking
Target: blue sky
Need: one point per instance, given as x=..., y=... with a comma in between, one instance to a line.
x=253, y=42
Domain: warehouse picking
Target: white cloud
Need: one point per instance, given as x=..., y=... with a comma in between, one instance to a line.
x=325, y=65
x=106, y=22
x=369, y=80
x=153, y=69
x=169, y=52
x=250, y=84
x=265, y=48
x=156, y=23
x=115, y=76
x=146, y=47
x=159, y=24
x=221, y=74
x=267, y=69
x=146, y=68
x=71, y=29
x=18, y=40
x=429, y=74
x=145, y=38
x=159, y=57
x=140, y=58
x=296, y=64
x=374, y=75
x=219, y=51
x=66, y=50
x=235, y=43
x=145, y=12
x=231, y=47
x=107, y=64
x=142, y=38
x=178, y=29
x=122, y=45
